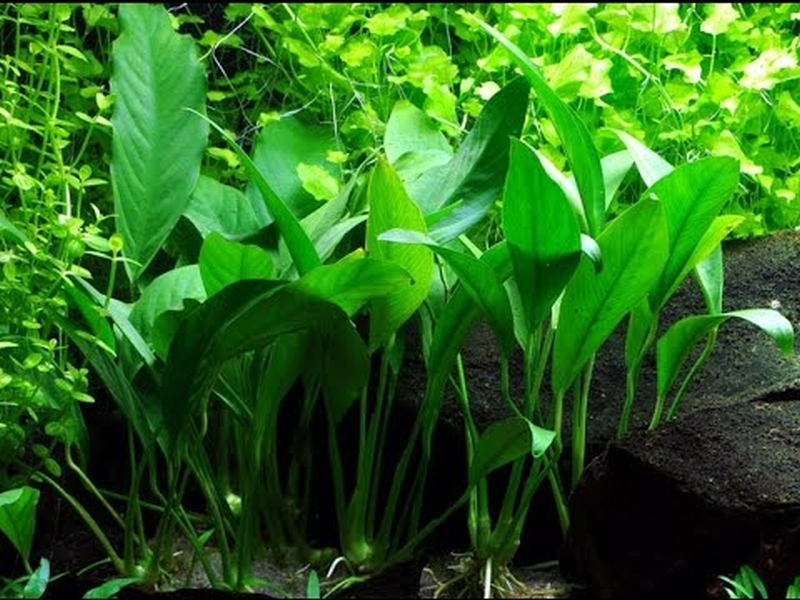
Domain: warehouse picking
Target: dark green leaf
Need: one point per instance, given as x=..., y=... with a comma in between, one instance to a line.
x=157, y=146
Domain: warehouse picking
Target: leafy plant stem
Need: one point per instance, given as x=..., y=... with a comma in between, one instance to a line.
x=87, y=483
x=632, y=378
x=704, y=355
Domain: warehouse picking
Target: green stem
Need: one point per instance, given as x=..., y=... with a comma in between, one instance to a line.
x=580, y=411
x=118, y=563
x=709, y=347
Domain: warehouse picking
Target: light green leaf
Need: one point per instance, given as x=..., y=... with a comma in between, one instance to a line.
x=477, y=277
x=37, y=583
x=223, y=209
x=650, y=165
x=505, y=442
x=18, y=517
x=222, y=262
x=719, y=17
x=111, y=588
x=318, y=181
x=679, y=340
x=711, y=279
x=692, y=195
x=157, y=146
x=390, y=207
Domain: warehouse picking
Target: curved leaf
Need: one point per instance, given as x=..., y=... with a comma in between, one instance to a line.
x=157, y=146
x=281, y=146
x=457, y=195
x=650, y=165
x=679, y=340
x=577, y=142
x=18, y=517
x=251, y=314
x=297, y=241
x=165, y=293
x=505, y=442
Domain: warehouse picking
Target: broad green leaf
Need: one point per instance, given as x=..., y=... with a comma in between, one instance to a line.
x=157, y=146
x=297, y=241
x=719, y=17
x=18, y=517
x=575, y=138
x=477, y=277
x=215, y=207
x=595, y=303
x=455, y=196
x=505, y=442
x=650, y=165
x=281, y=147
x=390, y=207
x=679, y=340
x=223, y=262
x=111, y=588
x=37, y=583
x=544, y=239
x=165, y=293
x=251, y=314
x=692, y=195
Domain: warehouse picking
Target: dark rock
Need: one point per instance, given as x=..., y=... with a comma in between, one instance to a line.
x=664, y=512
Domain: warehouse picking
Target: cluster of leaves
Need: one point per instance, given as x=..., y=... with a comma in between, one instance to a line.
x=687, y=80
x=54, y=135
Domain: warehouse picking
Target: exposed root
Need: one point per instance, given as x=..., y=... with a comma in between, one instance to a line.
x=470, y=580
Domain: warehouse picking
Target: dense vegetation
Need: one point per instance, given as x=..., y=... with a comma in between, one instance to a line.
x=197, y=199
